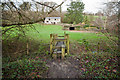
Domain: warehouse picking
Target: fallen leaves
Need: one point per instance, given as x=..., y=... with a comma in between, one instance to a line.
x=86, y=61
x=109, y=70
x=83, y=69
x=37, y=57
x=33, y=73
x=106, y=67
x=114, y=70
x=38, y=76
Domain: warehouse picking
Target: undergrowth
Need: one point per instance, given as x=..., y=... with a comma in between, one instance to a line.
x=99, y=65
x=32, y=65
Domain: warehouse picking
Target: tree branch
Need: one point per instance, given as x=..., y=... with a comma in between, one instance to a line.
x=22, y=23
x=30, y=22
x=43, y=4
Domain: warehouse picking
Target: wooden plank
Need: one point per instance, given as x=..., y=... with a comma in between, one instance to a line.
x=66, y=39
x=51, y=43
x=57, y=52
x=60, y=36
x=54, y=41
x=59, y=43
x=58, y=46
x=60, y=39
x=54, y=56
x=27, y=48
x=63, y=52
x=67, y=43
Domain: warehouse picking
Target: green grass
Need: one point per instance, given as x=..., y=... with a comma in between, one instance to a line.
x=46, y=30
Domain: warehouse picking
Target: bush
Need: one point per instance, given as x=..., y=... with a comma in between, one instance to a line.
x=98, y=65
x=91, y=28
x=86, y=26
x=23, y=67
x=78, y=26
x=74, y=23
x=100, y=28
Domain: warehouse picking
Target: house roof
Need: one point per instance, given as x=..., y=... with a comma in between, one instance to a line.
x=53, y=17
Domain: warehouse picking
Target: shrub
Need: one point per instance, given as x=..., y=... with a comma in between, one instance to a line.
x=91, y=28
x=23, y=68
x=84, y=42
x=78, y=26
x=74, y=23
x=86, y=26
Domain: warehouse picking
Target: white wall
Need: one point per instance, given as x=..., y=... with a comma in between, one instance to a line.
x=52, y=21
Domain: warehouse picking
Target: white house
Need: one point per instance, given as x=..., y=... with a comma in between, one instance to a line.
x=52, y=20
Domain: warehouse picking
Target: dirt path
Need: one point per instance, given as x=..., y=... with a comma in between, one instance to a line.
x=68, y=68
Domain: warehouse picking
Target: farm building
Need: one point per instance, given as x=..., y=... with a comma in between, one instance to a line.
x=52, y=20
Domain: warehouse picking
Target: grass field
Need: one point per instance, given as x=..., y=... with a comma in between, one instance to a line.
x=46, y=30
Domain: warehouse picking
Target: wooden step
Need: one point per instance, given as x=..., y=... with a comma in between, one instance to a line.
x=59, y=46
x=60, y=43
x=61, y=36
x=60, y=39
x=57, y=52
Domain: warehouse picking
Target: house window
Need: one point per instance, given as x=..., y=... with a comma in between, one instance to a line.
x=55, y=19
x=49, y=19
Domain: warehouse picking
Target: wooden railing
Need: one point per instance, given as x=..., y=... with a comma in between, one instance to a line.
x=61, y=42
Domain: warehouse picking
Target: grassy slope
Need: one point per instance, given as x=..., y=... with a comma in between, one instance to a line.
x=46, y=30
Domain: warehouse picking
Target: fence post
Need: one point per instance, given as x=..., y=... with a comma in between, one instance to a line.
x=63, y=51
x=51, y=45
x=27, y=48
x=67, y=43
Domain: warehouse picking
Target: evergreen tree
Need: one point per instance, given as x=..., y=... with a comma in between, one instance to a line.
x=74, y=12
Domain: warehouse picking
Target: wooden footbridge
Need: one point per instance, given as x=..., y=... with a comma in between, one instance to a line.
x=59, y=45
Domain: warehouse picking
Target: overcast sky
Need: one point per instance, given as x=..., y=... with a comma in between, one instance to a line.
x=91, y=6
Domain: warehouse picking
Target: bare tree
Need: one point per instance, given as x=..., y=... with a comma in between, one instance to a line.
x=21, y=14
x=18, y=14
x=25, y=6
x=99, y=22
x=110, y=23
x=112, y=20
x=118, y=27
